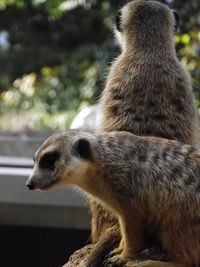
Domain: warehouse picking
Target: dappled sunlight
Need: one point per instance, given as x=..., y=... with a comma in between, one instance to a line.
x=54, y=62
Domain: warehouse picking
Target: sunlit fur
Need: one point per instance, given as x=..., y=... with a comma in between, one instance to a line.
x=139, y=179
x=148, y=91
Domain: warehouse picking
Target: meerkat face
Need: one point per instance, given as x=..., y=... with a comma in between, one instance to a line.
x=60, y=160
x=145, y=17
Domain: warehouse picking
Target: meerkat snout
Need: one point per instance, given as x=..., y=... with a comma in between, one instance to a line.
x=45, y=168
x=30, y=183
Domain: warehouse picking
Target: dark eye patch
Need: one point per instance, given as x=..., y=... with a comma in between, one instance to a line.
x=48, y=160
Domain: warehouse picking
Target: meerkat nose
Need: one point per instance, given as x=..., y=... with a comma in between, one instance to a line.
x=30, y=185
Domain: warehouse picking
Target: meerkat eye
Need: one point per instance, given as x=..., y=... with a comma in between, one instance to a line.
x=48, y=160
x=118, y=21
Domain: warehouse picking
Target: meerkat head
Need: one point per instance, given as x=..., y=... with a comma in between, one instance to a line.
x=62, y=159
x=142, y=21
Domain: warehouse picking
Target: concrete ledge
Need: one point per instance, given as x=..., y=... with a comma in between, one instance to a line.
x=18, y=162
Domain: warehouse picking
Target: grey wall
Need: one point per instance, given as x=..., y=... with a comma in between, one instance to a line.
x=61, y=208
x=20, y=144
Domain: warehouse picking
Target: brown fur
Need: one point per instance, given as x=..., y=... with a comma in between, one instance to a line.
x=142, y=180
x=148, y=92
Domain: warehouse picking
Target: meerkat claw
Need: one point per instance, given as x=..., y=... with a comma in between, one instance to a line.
x=114, y=253
x=115, y=261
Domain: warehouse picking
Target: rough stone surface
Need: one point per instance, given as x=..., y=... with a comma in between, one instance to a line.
x=80, y=257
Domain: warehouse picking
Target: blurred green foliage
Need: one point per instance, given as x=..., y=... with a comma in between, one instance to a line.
x=54, y=56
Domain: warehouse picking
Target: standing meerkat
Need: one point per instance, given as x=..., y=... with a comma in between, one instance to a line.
x=144, y=181
x=148, y=91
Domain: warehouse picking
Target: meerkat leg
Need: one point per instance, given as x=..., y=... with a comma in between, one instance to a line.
x=132, y=232
x=130, y=245
x=150, y=263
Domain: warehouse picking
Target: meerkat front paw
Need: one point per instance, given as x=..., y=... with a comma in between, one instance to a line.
x=115, y=261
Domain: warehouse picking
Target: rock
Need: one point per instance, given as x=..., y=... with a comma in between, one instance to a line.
x=81, y=256
x=88, y=119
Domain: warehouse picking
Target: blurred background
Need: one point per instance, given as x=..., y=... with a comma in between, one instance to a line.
x=54, y=56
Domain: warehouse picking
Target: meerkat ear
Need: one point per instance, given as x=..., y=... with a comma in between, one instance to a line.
x=176, y=17
x=118, y=21
x=83, y=149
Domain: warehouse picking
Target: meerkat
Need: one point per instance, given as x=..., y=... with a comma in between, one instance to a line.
x=144, y=181
x=148, y=91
